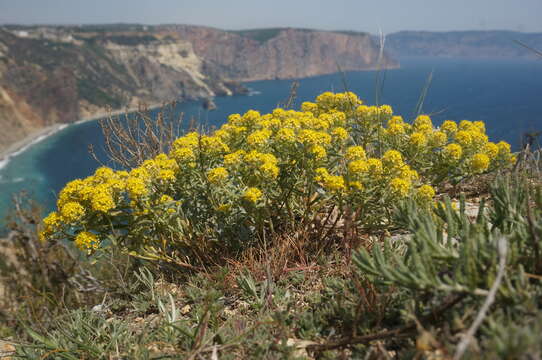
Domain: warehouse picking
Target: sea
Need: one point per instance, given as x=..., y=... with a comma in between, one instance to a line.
x=505, y=94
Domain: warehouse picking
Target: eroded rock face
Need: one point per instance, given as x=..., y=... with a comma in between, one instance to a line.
x=46, y=79
x=44, y=83
x=283, y=53
x=16, y=117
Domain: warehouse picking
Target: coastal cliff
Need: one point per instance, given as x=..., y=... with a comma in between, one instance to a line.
x=282, y=53
x=51, y=75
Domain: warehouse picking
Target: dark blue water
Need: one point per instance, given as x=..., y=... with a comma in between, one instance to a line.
x=507, y=95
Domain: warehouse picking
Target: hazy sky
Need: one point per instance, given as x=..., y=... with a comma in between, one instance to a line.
x=361, y=15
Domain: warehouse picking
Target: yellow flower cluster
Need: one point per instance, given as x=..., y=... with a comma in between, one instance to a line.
x=425, y=193
x=72, y=211
x=453, y=152
x=392, y=159
x=259, y=137
x=400, y=187
x=217, y=175
x=334, y=151
x=264, y=163
x=252, y=194
x=330, y=182
x=355, y=153
x=86, y=241
x=479, y=163
x=450, y=150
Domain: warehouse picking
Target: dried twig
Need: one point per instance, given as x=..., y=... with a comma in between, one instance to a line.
x=133, y=138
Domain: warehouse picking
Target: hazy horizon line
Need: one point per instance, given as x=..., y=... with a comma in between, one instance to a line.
x=253, y=29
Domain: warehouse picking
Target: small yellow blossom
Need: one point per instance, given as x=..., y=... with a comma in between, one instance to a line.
x=355, y=153
x=52, y=221
x=418, y=139
x=136, y=187
x=312, y=137
x=375, y=167
x=223, y=208
x=479, y=140
x=392, y=159
x=234, y=119
x=449, y=126
x=452, y=152
x=269, y=170
x=504, y=148
x=423, y=121
x=252, y=194
x=438, y=138
x=425, y=193
x=395, y=129
x=355, y=185
x=308, y=106
x=465, y=125
x=463, y=138
x=321, y=173
x=407, y=173
x=165, y=199
x=385, y=110
x=259, y=137
x=183, y=154
x=358, y=167
x=480, y=126
x=400, y=187
x=166, y=175
x=213, y=145
x=332, y=182
x=479, y=163
x=104, y=173
x=512, y=160
x=217, y=175
x=396, y=120
x=190, y=140
x=234, y=158
x=319, y=152
x=251, y=117
x=87, y=241
x=72, y=211
x=340, y=133
x=102, y=199
x=286, y=135
x=491, y=150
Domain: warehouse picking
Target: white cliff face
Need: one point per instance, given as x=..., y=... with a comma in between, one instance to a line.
x=176, y=56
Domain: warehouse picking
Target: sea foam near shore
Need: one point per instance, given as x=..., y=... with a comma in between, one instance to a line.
x=26, y=143
x=19, y=147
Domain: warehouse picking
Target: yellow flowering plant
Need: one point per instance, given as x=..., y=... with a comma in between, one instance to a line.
x=336, y=158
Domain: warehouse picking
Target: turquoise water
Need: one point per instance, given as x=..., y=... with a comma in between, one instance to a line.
x=507, y=95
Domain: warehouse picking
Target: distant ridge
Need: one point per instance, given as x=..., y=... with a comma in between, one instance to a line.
x=487, y=44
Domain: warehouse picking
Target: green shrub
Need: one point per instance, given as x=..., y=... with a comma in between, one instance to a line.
x=453, y=260
x=334, y=164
